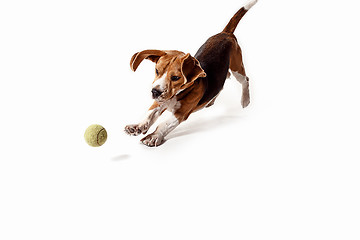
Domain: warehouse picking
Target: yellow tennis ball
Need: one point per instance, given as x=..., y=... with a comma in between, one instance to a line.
x=95, y=135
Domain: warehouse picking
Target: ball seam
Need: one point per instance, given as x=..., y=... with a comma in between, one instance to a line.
x=97, y=137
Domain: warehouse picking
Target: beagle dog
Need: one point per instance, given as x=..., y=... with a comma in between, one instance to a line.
x=184, y=84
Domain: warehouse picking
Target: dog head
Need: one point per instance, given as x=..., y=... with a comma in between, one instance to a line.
x=174, y=71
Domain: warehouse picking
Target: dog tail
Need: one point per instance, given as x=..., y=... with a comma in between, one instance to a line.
x=231, y=26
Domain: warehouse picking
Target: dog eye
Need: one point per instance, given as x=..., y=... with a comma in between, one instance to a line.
x=175, y=78
x=157, y=71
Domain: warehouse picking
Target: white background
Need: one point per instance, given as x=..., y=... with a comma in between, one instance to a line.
x=287, y=167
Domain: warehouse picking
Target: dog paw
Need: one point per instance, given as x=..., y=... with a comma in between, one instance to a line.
x=153, y=140
x=245, y=102
x=136, y=129
x=245, y=99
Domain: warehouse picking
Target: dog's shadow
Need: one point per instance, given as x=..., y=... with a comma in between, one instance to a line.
x=202, y=124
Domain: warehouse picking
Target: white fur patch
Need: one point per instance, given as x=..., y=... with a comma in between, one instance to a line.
x=250, y=4
x=160, y=83
x=158, y=137
x=245, y=98
x=151, y=116
x=241, y=78
x=172, y=105
x=166, y=127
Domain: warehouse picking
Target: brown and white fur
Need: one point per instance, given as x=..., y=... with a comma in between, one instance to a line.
x=184, y=84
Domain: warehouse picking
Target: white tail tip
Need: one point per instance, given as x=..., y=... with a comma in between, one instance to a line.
x=250, y=4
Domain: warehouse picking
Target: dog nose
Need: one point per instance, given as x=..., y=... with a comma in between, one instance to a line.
x=156, y=93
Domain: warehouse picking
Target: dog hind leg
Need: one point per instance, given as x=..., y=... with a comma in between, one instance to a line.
x=238, y=70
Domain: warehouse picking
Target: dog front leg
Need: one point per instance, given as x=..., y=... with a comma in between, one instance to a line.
x=152, y=115
x=158, y=136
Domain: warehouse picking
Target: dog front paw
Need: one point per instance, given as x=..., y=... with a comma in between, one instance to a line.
x=153, y=140
x=136, y=129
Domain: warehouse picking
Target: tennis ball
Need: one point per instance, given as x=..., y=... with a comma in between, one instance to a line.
x=95, y=135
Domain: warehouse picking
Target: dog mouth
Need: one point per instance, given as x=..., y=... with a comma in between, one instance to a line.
x=159, y=99
x=160, y=96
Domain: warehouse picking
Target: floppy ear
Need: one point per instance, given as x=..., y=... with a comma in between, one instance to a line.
x=191, y=68
x=152, y=55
